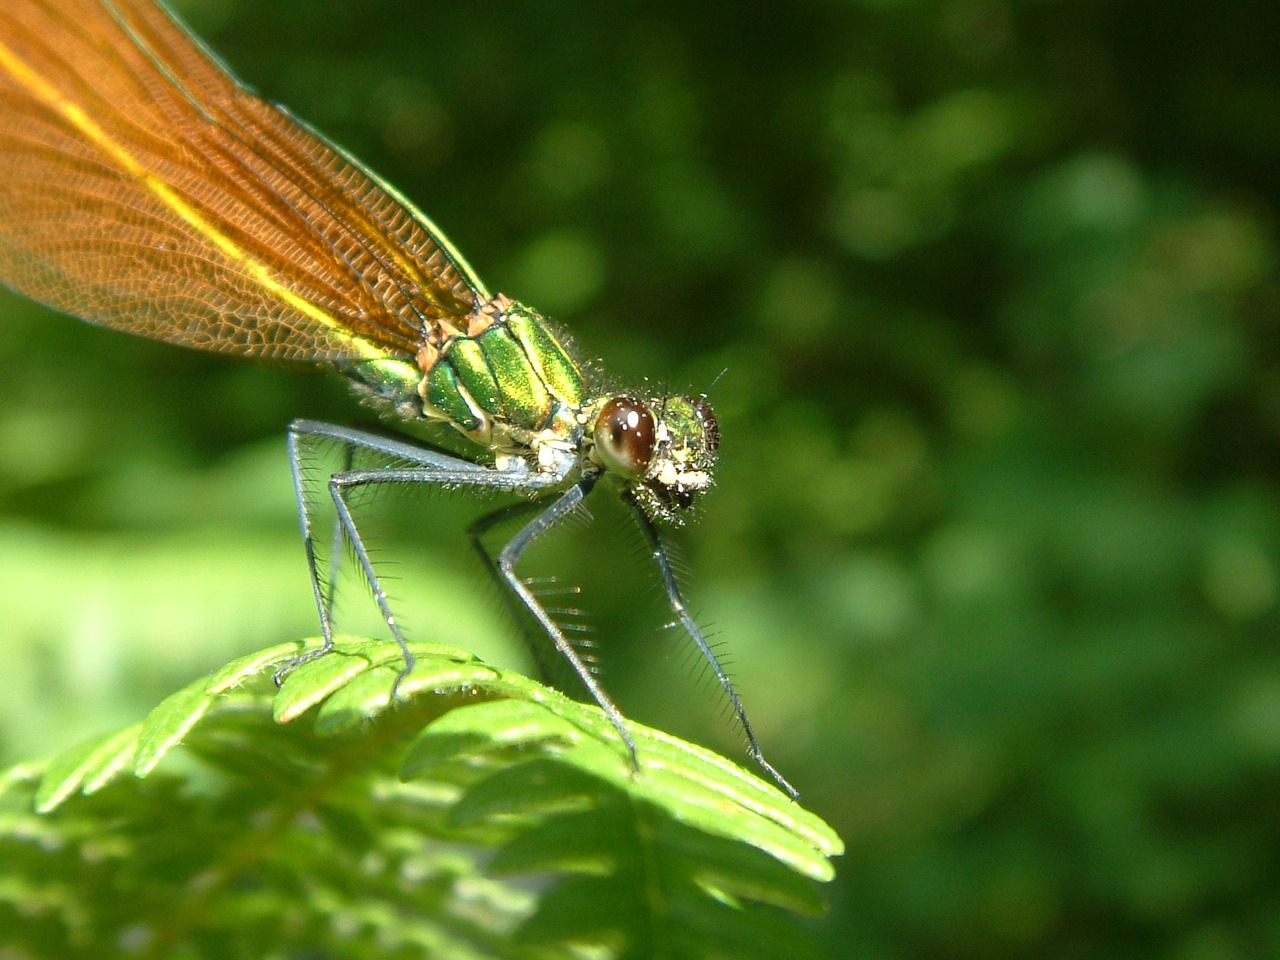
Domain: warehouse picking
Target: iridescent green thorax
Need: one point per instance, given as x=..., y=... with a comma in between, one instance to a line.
x=503, y=383
x=508, y=383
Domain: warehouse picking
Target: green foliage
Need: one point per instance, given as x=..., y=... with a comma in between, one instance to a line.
x=478, y=814
x=995, y=541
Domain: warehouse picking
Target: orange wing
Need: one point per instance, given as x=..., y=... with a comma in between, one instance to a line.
x=142, y=188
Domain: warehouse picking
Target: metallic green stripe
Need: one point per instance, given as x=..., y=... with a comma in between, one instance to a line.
x=525, y=400
x=555, y=368
x=445, y=395
x=469, y=362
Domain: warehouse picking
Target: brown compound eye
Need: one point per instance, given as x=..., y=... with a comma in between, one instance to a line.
x=624, y=435
x=710, y=426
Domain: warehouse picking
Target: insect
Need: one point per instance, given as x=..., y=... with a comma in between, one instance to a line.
x=143, y=188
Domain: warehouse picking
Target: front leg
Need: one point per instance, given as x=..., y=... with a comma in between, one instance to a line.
x=671, y=588
x=505, y=565
x=475, y=533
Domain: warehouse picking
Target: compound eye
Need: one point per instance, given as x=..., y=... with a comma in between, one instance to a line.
x=624, y=435
x=710, y=426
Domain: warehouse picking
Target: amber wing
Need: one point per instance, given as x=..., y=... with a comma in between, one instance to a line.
x=143, y=188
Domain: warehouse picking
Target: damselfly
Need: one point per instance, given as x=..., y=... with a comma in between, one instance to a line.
x=143, y=188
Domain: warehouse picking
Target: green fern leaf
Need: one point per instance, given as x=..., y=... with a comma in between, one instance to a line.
x=462, y=812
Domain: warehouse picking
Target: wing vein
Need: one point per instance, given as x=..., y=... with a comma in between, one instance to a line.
x=142, y=187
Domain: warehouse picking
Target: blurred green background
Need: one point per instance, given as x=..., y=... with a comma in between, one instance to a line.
x=994, y=549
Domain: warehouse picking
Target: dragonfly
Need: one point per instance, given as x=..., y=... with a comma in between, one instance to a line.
x=143, y=188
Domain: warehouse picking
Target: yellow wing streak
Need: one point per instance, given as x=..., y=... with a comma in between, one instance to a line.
x=259, y=271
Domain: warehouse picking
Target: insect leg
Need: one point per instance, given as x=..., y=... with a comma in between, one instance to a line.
x=424, y=465
x=335, y=544
x=507, y=559
x=674, y=597
x=296, y=440
x=475, y=533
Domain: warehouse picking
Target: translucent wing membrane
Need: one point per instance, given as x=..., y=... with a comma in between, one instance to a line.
x=142, y=188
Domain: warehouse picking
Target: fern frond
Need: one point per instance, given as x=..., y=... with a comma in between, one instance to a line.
x=479, y=814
